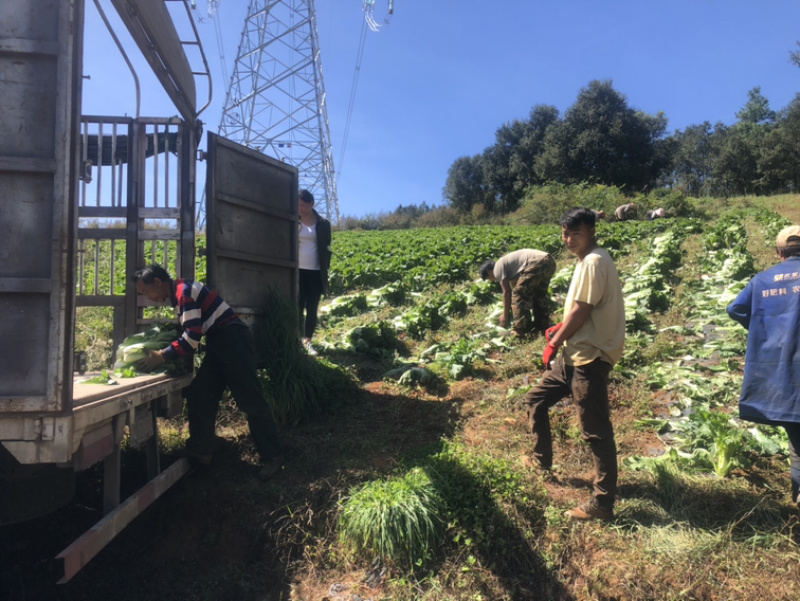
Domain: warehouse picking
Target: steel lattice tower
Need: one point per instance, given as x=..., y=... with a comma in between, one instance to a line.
x=276, y=100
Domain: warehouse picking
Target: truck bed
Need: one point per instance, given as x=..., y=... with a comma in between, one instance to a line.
x=95, y=404
x=100, y=411
x=84, y=393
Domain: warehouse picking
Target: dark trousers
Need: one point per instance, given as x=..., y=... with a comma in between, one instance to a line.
x=588, y=385
x=230, y=362
x=793, y=430
x=308, y=299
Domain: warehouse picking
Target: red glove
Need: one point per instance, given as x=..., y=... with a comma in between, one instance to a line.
x=549, y=354
x=551, y=331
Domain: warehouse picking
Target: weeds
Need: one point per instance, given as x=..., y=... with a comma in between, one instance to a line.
x=396, y=519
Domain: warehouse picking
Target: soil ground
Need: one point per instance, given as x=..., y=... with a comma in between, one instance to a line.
x=219, y=525
x=213, y=520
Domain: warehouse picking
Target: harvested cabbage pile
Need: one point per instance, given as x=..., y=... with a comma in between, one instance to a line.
x=134, y=348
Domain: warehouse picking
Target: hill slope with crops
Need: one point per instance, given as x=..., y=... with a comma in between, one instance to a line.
x=410, y=473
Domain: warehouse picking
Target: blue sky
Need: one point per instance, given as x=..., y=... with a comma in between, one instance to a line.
x=438, y=81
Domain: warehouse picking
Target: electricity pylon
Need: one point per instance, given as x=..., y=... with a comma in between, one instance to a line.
x=276, y=99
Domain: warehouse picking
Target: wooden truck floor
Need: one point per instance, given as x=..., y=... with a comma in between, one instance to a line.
x=84, y=393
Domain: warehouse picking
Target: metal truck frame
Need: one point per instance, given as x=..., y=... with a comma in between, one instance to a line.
x=74, y=185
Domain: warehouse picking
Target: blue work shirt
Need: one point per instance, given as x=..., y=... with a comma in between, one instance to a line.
x=769, y=307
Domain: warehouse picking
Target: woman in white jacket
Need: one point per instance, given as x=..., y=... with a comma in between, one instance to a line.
x=314, y=259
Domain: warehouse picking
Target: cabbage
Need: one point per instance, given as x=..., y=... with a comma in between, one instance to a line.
x=133, y=353
x=134, y=348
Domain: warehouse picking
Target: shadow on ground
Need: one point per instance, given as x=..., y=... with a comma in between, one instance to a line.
x=220, y=533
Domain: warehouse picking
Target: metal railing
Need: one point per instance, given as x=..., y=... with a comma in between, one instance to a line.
x=133, y=185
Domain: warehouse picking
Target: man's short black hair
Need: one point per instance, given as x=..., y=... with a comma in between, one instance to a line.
x=150, y=273
x=791, y=251
x=575, y=218
x=486, y=269
x=306, y=196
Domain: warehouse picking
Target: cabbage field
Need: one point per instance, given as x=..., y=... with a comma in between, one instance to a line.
x=701, y=492
x=419, y=285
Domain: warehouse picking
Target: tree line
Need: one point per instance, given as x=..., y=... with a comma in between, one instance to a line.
x=600, y=140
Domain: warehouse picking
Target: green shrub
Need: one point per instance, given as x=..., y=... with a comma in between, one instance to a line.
x=546, y=204
x=396, y=519
x=600, y=197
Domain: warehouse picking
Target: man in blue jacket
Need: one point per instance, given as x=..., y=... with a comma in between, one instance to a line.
x=769, y=307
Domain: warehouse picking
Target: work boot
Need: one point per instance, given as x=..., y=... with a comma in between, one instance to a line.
x=590, y=511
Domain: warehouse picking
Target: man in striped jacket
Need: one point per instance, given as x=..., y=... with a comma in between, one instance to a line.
x=229, y=362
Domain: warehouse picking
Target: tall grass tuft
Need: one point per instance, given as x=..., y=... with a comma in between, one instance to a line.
x=298, y=386
x=396, y=519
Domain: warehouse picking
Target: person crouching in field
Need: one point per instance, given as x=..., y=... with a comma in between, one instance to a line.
x=229, y=362
x=626, y=212
x=769, y=308
x=592, y=336
x=524, y=276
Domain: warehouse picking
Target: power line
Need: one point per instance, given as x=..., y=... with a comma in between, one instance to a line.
x=353, y=88
x=369, y=20
x=222, y=62
x=369, y=12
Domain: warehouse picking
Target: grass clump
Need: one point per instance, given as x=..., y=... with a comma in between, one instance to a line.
x=298, y=386
x=397, y=519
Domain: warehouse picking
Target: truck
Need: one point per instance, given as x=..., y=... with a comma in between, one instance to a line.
x=73, y=184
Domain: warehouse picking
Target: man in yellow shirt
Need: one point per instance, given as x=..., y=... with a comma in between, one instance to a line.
x=592, y=336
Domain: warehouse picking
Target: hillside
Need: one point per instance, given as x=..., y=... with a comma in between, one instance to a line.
x=695, y=519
